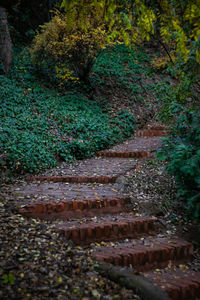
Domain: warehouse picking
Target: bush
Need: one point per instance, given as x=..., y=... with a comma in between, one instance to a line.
x=182, y=151
x=71, y=48
x=179, y=87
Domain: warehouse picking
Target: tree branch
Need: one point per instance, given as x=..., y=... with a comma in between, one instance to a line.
x=132, y=280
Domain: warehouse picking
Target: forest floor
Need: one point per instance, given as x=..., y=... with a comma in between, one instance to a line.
x=36, y=262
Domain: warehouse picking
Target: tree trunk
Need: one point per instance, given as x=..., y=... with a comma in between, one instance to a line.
x=5, y=41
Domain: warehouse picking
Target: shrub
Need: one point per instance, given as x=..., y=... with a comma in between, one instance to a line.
x=182, y=151
x=173, y=95
x=73, y=49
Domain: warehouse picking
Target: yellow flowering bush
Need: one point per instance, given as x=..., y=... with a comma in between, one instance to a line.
x=73, y=49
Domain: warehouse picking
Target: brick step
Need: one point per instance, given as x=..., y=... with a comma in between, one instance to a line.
x=151, y=133
x=156, y=127
x=73, y=208
x=67, y=200
x=102, y=170
x=106, y=228
x=180, y=285
x=73, y=179
x=136, y=146
x=143, y=258
x=125, y=154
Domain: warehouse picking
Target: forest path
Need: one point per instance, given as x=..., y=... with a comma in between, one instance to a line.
x=87, y=204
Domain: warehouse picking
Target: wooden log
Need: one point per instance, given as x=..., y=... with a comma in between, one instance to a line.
x=131, y=279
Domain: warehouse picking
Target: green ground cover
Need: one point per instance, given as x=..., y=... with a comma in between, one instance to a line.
x=41, y=124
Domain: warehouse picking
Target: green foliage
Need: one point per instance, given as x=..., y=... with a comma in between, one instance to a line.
x=171, y=96
x=122, y=68
x=182, y=151
x=39, y=126
x=72, y=49
x=110, y=13
x=72, y=42
x=8, y=278
x=179, y=87
x=169, y=22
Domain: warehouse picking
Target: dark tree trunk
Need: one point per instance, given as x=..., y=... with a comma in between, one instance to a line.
x=5, y=41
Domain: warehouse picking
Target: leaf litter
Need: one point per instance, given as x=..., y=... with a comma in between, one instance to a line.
x=37, y=263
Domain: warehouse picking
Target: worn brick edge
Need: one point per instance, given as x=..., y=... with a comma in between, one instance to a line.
x=109, y=231
x=125, y=154
x=144, y=258
x=179, y=286
x=73, y=208
x=156, y=127
x=73, y=179
x=151, y=133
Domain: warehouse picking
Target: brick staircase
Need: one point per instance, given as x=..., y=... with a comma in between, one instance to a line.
x=87, y=200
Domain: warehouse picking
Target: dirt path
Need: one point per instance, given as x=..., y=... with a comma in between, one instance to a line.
x=85, y=204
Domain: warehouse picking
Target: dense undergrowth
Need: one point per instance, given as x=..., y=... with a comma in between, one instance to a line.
x=44, y=120
x=38, y=126
x=182, y=151
x=180, y=109
x=42, y=125
x=125, y=68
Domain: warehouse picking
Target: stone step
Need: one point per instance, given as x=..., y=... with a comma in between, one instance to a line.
x=179, y=284
x=106, y=228
x=100, y=170
x=146, y=257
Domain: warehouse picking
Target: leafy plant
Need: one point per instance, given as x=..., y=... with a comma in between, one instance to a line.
x=8, y=278
x=182, y=150
x=169, y=22
x=121, y=68
x=40, y=126
x=72, y=47
x=173, y=95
